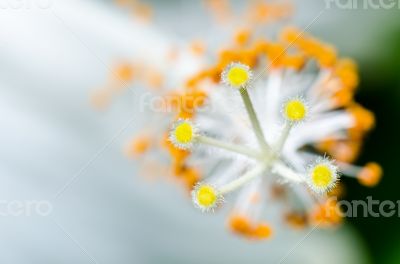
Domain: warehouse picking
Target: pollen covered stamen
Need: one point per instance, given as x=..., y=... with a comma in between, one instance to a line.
x=243, y=226
x=236, y=75
x=326, y=214
x=295, y=110
x=370, y=175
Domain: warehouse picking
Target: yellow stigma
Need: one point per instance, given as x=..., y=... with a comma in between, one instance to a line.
x=236, y=75
x=295, y=110
x=322, y=176
x=184, y=133
x=206, y=196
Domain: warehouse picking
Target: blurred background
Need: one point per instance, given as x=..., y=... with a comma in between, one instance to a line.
x=55, y=148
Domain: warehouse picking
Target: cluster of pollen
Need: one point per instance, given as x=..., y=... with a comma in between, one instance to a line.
x=291, y=129
x=243, y=226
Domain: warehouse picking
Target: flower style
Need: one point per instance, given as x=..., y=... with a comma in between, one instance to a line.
x=273, y=131
x=272, y=122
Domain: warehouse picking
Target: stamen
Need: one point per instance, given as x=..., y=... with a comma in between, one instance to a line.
x=240, y=224
x=326, y=214
x=296, y=220
x=262, y=231
x=370, y=175
x=364, y=119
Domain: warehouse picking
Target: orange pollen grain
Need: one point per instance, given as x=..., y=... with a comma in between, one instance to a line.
x=198, y=47
x=139, y=145
x=364, y=119
x=327, y=214
x=262, y=231
x=242, y=37
x=370, y=175
x=296, y=220
x=240, y=224
x=124, y=72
